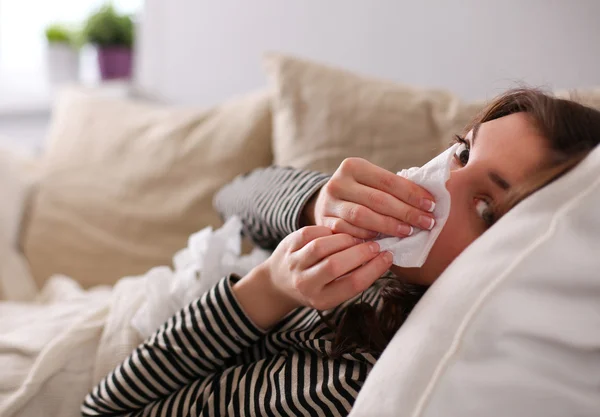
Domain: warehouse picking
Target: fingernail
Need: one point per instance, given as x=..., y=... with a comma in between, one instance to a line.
x=374, y=246
x=427, y=205
x=426, y=222
x=405, y=230
x=388, y=257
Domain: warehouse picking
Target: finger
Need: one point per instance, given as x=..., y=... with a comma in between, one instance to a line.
x=402, y=215
x=319, y=249
x=300, y=238
x=365, y=218
x=338, y=225
x=340, y=263
x=349, y=286
x=405, y=190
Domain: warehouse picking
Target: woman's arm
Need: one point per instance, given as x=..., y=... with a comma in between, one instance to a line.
x=192, y=346
x=360, y=199
x=269, y=201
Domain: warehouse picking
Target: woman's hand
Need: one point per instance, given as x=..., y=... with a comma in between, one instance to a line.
x=311, y=267
x=362, y=199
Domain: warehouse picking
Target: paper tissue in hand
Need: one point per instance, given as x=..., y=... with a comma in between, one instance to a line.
x=210, y=256
x=412, y=251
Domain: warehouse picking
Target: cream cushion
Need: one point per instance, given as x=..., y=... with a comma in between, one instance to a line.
x=124, y=183
x=18, y=175
x=322, y=115
x=512, y=327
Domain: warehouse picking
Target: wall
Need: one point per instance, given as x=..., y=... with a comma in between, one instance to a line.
x=200, y=51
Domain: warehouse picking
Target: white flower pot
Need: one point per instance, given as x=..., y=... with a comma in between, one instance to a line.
x=63, y=64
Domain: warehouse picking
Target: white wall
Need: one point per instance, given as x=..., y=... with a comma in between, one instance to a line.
x=203, y=51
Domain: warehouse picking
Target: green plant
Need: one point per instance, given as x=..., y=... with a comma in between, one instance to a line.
x=106, y=27
x=59, y=33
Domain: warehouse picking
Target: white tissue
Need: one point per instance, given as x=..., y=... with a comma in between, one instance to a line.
x=412, y=251
x=210, y=256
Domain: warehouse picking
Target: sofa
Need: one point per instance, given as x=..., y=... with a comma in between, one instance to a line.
x=121, y=184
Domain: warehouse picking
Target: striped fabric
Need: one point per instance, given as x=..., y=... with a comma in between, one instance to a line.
x=269, y=201
x=211, y=360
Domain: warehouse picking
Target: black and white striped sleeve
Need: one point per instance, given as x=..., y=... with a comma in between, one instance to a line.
x=189, y=349
x=269, y=201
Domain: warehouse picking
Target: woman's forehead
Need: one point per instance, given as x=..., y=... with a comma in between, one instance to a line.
x=512, y=143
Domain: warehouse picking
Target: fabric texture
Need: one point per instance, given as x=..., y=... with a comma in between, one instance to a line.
x=124, y=183
x=213, y=361
x=269, y=201
x=412, y=251
x=322, y=115
x=79, y=337
x=511, y=327
x=18, y=176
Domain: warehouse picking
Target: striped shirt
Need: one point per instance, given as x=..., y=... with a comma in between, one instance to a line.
x=211, y=360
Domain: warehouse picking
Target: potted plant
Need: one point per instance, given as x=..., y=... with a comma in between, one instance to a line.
x=112, y=34
x=62, y=54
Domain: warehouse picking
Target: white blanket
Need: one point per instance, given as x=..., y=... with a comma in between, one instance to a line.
x=53, y=351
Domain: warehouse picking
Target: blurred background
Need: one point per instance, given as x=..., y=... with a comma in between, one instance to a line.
x=202, y=52
x=44, y=45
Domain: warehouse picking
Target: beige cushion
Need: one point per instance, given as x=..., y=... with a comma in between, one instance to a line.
x=322, y=115
x=125, y=183
x=18, y=175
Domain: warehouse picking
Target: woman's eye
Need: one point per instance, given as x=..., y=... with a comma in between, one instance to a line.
x=485, y=212
x=462, y=153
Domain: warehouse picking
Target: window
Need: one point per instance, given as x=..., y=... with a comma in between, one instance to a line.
x=23, y=45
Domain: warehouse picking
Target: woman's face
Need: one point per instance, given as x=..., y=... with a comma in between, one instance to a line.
x=498, y=155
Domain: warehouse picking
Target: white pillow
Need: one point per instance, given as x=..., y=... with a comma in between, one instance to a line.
x=512, y=327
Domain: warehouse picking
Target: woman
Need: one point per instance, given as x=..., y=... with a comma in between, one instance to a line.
x=259, y=345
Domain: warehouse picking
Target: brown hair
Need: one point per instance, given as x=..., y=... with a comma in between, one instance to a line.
x=572, y=130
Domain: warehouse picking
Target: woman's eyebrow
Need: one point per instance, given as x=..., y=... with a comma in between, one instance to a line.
x=499, y=181
x=474, y=135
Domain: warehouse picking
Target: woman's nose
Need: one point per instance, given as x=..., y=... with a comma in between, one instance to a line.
x=463, y=182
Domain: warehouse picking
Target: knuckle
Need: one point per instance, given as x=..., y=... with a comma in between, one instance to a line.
x=390, y=225
x=332, y=187
x=336, y=225
x=410, y=196
x=331, y=267
x=348, y=240
x=414, y=193
x=313, y=249
x=366, y=253
x=355, y=214
x=387, y=182
x=299, y=285
x=296, y=285
x=412, y=216
x=304, y=233
x=376, y=199
x=349, y=164
x=292, y=263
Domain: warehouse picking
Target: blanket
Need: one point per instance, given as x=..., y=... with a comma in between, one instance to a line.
x=55, y=349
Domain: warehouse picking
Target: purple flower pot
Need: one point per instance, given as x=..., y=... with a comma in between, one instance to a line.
x=115, y=62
